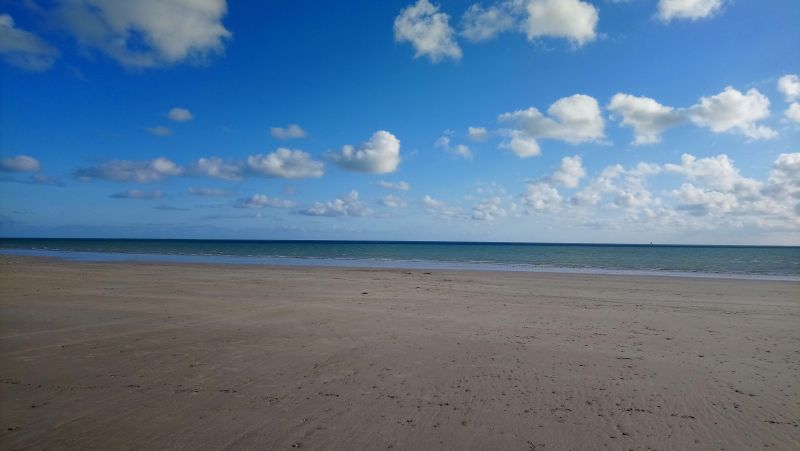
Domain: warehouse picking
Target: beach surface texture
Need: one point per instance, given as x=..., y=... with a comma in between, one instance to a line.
x=178, y=356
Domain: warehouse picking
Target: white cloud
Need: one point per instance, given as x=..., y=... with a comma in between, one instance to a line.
x=688, y=9
x=439, y=208
x=480, y=24
x=477, y=133
x=647, y=117
x=542, y=197
x=160, y=130
x=217, y=168
x=208, y=192
x=443, y=142
x=627, y=188
x=574, y=20
x=489, y=210
x=428, y=30
x=400, y=186
x=392, y=201
x=346, y=205
x=286, y=163
x=711, y=195
x=24, y=49
x=786, y=170
x=137, y=194
x=793, y=112
x=522, y=145
x=379, y=155
x=699, y=201
x=148, y=33
x=571, y=19
x=719, y=194
x=716, y=172
x=575, y=119
x=789, y=86
x=178, y=114
x=570, y=173
x=292, y=131
x=460, y=150
x=262, y=200
x=131, y=171
x=20, y=163
x=732, y=111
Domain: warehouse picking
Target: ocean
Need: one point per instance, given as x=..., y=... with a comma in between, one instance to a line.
x=768, y=262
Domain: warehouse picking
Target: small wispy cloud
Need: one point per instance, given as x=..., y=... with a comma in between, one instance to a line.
x=138, y=194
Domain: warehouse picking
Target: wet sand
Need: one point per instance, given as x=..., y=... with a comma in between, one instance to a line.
x=174, y=356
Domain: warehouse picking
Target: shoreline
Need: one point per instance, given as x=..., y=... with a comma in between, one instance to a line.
x=388, y=264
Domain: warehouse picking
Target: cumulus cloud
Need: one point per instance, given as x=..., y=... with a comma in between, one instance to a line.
x=137, y=194
x=428, y=30
x=522, y=145
x=733, y=111
x=688, y=9
x=647, y=117
x=178, y=114
x=262, y=200
x=786, y=170
x=217, y=168
x=345, y=205
x=717, y=192
x=208, y=192
x=571, y=19
x=440, y=208
x=399, y=186
x=714, y=185
x=481, y=24
x=627, y=188
x=488, y=209
x=391, y=201
x=160, y=130
x=570, y=173
x=286, y=163
x=291, y=131
x=541, y=197
x=699, y=201
x=575, y=119
x=20, y=163
x=379, y=155
x=793, y=112
x=24, y=49
x=789, y=86
x=716, y=172
x=477, y=133
x=148, y=33
x=708, y=193
x=574, y=20
x=460, y=150
x=131, y=171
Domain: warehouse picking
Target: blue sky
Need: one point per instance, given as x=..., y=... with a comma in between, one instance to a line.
x=517, y=120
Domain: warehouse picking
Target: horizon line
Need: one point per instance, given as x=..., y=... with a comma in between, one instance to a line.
x=455, y=242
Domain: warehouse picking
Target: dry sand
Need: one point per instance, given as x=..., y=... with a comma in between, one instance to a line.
x=163, y=356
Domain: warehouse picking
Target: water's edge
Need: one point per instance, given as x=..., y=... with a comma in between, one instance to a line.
x=373, y=264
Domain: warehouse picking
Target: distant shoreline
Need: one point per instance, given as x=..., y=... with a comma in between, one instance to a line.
x=386, y=264
x=410, y=242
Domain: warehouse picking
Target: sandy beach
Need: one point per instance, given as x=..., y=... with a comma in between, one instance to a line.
x=173, y=356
